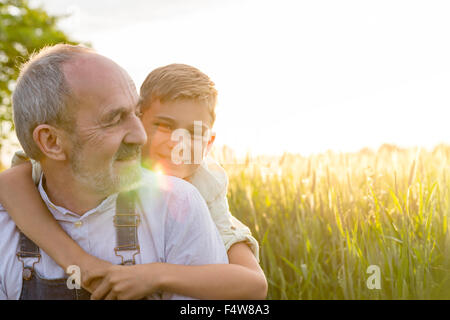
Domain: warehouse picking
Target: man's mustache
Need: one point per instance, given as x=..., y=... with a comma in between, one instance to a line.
x=128, y=151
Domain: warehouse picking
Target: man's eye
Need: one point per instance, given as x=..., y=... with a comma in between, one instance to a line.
x=114, y=121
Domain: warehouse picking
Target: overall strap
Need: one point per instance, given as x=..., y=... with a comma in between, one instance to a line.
x=36, y=288
x=28, y=249
x=126, y=222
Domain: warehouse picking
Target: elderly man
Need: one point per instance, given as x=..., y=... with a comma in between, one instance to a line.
x=75, y=111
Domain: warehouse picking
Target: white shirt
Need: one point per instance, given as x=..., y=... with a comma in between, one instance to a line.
x=175, y=228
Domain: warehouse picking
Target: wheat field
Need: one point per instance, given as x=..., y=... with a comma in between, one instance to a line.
x=322, y=220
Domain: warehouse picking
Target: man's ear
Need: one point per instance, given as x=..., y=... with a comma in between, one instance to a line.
x=49, y=140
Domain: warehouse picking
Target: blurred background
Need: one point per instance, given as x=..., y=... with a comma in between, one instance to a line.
x=332, y=124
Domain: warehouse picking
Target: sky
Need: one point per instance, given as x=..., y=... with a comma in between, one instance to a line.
x=295, y=76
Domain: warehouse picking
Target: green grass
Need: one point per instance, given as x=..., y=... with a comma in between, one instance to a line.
x=322, y=220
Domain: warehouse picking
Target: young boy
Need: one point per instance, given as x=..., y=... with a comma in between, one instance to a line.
x=175, y=98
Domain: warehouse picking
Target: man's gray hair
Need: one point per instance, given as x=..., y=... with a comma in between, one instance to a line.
x=42, y=95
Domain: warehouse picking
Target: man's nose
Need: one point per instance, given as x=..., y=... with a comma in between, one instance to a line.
x=136, y=134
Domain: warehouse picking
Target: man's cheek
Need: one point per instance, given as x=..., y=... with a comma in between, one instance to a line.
x=99, y=157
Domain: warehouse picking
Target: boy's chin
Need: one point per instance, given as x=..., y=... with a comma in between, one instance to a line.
x=163, y=166
x=179, y=171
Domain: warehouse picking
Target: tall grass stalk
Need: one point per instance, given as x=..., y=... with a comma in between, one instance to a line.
x=323, y=220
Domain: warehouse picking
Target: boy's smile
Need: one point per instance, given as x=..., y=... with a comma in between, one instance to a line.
x=160, y=119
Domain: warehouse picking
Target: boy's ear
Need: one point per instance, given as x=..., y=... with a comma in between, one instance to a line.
x=49, y=141
x=210, y=142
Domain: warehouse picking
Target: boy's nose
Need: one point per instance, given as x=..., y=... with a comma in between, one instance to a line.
x=171, y=143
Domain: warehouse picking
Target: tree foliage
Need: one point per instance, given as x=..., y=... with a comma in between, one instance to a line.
x=23, y=30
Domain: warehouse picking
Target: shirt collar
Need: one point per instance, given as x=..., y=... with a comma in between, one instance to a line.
x=104, y=206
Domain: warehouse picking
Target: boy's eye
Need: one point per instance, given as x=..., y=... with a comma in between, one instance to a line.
x=164, y=127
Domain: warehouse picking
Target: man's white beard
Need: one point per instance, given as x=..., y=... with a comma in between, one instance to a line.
x=128, y=180
x=105, y=182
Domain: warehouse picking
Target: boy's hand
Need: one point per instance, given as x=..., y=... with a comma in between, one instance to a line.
x=91, y=266
x=128, y=282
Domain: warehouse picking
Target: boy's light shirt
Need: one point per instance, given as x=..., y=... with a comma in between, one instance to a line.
x=211, y=181
x=21, y=157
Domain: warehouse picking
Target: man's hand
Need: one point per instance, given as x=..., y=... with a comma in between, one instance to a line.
x=127, y=282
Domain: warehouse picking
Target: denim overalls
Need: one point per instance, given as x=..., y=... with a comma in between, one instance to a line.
x=35, y=288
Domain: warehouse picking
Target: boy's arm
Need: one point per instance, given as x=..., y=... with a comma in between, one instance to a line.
x=230, y=228
x=20, y=197
x=209, y=282
x=242, y=279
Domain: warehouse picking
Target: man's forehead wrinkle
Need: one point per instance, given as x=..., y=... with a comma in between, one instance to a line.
x=95, y=77
x=130, y=87
x=90, y=67
x=130, y=81
x=78, y=74
x=129, y=90
x=124, y=86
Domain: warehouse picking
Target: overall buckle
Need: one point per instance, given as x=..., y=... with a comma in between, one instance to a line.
x=27, y=272
x=127, y=248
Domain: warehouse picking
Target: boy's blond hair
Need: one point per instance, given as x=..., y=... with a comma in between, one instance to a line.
x=179, y=81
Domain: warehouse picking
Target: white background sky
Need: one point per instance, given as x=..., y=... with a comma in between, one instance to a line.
x=298, y=76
